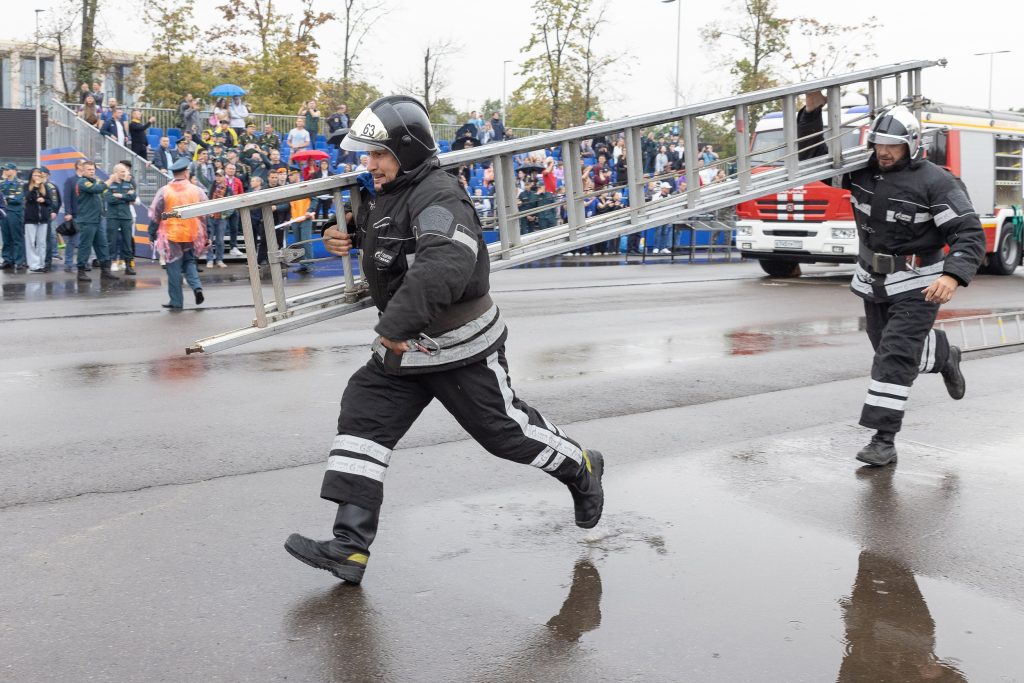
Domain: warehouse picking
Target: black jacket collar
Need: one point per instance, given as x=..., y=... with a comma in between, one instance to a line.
x=410, y=178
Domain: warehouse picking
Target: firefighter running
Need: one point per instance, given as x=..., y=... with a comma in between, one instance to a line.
x=906, y=209
x=440, y=336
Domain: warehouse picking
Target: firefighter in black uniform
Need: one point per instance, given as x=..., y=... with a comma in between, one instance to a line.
x=440, y=336
x=907, y=210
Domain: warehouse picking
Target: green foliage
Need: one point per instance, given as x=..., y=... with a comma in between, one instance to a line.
x=360, y=94
x=167, y=80
x=443, y=110
x=762, y=38
x=526, y=110
x=769, y=47
x=489, y=107
x=270, y=54
x=714, y=130
x=171, y=68
x=564, y=68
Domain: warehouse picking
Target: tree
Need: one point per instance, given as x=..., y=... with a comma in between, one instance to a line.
x=762, y=36
x=489, y=107
x=358, y=19
x=171, y=68
x=274, y=55
x=829, y=47
x=550, y=73
x=564, y=70
x=430, y=89
x=525, y=111
x=359, y=94
x=88, y=60
x=594, y=67
x=58, y=34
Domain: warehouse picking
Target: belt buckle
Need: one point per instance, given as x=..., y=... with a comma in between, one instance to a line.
x=425, y=344
x=883, y=264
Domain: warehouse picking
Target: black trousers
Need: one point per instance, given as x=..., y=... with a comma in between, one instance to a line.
x=377, y=410
x=905, y=345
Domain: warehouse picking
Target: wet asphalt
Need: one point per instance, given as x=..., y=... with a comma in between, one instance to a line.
x=145, y=494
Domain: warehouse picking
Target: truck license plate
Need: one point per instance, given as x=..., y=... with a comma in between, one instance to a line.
x=789, y=244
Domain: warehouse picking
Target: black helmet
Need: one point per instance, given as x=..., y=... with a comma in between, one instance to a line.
x=397, y=123
x=896, y=125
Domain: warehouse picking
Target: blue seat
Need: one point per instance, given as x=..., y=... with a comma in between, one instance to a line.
x=444, y=145
x=320, y=139
x=176, y=132
x=153, y=130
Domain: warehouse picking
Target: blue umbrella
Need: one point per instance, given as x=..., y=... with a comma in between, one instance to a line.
x=227, y=90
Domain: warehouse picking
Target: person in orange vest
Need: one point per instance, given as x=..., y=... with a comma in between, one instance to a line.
x=303, y=211
x=180, y=241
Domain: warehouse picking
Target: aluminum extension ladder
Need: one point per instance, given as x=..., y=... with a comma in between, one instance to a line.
x=895, y=82
x=980, y=332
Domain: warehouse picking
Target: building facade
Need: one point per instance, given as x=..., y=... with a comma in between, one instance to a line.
x=122, y=76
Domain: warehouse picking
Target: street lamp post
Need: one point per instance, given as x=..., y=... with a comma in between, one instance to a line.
x=504, y=79
x=991, y=63
x=39, y=96
x=679, y=33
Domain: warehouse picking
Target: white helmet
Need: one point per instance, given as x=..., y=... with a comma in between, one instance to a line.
x=896, y=125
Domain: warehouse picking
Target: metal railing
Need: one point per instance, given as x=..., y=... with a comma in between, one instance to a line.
x=576, y=230
x=66, y=129
x=168, y=118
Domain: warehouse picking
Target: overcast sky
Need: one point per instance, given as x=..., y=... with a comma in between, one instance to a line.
x=645, y=31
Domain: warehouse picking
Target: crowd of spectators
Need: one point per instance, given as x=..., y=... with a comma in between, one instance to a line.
x=540, y=181
x=228, y=156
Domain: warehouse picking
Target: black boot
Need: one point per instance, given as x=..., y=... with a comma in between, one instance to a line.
x=956, y=385
x=880, y=451
x=347, y=553
x=82, y=277
x=129, y=267
x=587, y=492
x=105, y=273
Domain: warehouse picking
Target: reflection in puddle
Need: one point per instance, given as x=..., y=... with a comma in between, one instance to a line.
x=178, y=368
x=890, y=633
x=795, y=335
x=40, y=289
x=749, y=341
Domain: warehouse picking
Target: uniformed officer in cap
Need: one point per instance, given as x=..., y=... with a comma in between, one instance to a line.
x=907, y=210
x=13, y=190
x=439, y=336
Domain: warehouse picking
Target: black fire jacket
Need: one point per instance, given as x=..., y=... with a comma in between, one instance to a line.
x=428, y=270
x=911, y=211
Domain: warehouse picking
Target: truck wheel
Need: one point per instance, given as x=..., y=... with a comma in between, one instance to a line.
x=1006, y=257
x=777, y=268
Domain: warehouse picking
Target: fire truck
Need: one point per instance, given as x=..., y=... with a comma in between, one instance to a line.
x=813, y=223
